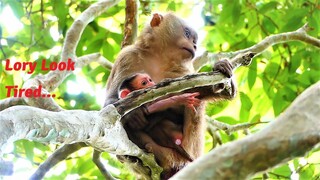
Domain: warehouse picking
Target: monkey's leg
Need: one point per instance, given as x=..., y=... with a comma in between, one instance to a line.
x=194, y=131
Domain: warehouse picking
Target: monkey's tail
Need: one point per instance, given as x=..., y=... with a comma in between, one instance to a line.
x=183, y=153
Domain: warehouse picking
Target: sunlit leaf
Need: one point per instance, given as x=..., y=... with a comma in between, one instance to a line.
x=268, y=7
x=307, y=172
x=246, y=106
x=252, y=74
x=283, y=171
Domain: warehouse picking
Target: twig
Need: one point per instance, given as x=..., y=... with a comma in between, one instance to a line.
x=95, y=57
x=98, y=163
x=298, y=35
x=59, y=155
x=231, y=128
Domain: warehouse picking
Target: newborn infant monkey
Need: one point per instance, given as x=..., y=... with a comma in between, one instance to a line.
x=169, y=134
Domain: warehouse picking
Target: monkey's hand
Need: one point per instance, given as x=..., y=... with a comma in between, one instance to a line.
x=187, y=99
x=223, y=66
x=136, y=119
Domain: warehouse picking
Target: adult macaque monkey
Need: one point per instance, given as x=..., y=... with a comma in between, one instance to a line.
x=165, y=49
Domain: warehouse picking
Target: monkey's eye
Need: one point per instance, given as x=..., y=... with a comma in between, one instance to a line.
x=187, y=33
x=144, y=83
x=194, y=41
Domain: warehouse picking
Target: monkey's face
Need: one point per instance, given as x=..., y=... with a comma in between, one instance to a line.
x=142, y=81
x=187, y=42
x=183, y=36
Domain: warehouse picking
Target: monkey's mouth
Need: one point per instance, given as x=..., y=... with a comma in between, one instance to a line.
x=189, y=50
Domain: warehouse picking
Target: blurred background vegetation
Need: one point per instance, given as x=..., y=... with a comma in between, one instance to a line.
x=32, y=30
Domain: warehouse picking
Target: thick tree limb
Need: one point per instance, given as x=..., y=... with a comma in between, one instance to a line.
x=298, y=35
x=294, y=133
x=99, y=129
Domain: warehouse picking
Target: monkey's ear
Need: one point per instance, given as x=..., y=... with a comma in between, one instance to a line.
x=156, y=20
x=124, y=93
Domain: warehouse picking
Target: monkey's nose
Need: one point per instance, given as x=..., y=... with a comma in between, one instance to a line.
x=195, y=47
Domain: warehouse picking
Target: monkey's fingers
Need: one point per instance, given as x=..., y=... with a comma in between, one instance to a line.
x=224, y=66
x=193, y=104
x=192, y=95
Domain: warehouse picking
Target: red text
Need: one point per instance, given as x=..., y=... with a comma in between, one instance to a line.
x=16, y=92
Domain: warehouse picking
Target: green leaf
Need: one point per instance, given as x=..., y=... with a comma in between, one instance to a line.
x=85, y=167
x=171, y=6
x=256, y=118
x=295, y=62
x=307, y=172
x=272, y=69
x=28, y=146
x=252, y=74
x=246, y=106
x=206, y=68
x=61, y=10
x=283, y=171
x=295, y=20
x=313, y=22
x=279, y=102
x=269, y=25
x=268, y=7
x=227, y=119
x=236, y=11
x=215, y=108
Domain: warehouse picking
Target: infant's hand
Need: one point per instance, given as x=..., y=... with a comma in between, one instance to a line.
x=187, y=99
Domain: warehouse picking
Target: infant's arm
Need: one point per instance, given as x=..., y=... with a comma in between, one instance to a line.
x=187, y=99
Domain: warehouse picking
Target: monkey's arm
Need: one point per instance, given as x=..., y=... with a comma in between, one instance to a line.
x=136, y=119
x=187, y=99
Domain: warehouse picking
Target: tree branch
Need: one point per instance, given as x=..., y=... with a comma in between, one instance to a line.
x=59, y=155
x=9, y=102
x=295, y=132
x=167, y=87
x=99, y=129
x=95, y=57
x=298, y=35
x=98, y=163
x=131, y=24
x=230, y=128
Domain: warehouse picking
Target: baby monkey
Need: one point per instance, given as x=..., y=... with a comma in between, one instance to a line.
x=169, y=134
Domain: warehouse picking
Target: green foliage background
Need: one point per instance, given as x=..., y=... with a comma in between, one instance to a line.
x=266, y=88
